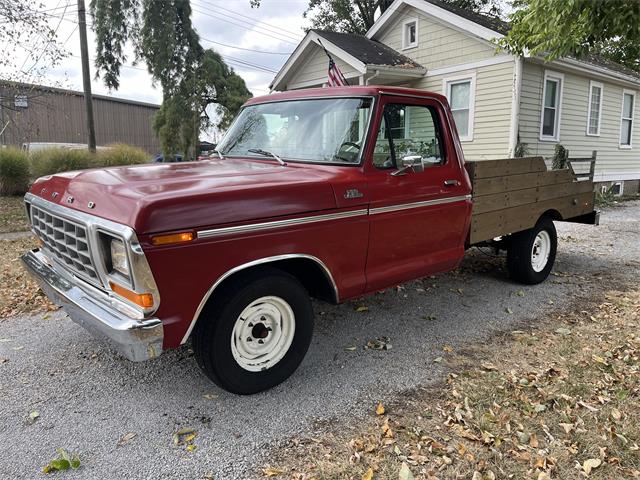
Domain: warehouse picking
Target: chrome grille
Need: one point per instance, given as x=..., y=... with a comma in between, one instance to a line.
x=66, y=240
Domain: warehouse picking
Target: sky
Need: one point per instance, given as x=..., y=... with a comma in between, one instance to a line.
x=254, y=41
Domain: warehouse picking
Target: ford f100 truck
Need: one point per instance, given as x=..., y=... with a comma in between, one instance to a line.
x=323, y=193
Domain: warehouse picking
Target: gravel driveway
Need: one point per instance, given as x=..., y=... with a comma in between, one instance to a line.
x=89, y=398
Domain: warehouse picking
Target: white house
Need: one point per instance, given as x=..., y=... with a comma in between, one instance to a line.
x=496, y=97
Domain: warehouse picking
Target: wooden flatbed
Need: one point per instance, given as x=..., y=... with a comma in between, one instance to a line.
x=511, y=195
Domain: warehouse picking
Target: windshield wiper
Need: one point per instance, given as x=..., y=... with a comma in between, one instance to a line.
x=259, y=151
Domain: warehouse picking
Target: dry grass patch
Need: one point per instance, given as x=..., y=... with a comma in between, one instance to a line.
x=557, y=402
x=12, y=214
x=19, y=293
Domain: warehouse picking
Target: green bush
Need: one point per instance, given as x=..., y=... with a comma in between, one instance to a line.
x=14, y=171
x=56, y=160
x=120, y=154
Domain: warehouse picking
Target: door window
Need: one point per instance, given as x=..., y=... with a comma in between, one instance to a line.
x=408, y=130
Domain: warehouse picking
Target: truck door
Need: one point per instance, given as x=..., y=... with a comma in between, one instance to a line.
x=419, y=214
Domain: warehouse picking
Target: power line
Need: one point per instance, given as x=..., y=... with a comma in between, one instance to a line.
x=245, y=49
x=268, y=26
x=46, y=47
x=244, y=26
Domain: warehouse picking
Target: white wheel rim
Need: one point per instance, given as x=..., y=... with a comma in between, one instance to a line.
x=540, y=251
x=263, y=333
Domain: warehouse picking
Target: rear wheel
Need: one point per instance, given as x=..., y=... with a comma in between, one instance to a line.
x=532, y=253
x=255, y=332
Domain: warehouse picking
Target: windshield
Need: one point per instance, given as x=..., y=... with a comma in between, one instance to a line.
x=327, y=130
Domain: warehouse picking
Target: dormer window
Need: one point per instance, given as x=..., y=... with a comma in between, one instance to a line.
x=410, y=33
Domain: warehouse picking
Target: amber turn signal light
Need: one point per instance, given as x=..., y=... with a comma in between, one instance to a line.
x=145, y=300
x=170, y=238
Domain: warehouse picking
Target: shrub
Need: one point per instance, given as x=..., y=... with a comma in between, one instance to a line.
x=560, y=157
x=120, y=154
x=14, y=171
x=56, y=160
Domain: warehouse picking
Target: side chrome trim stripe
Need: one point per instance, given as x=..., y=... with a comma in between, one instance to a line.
x=253, y=227
x=426, y=203
x=280, y=223
x=260, y=261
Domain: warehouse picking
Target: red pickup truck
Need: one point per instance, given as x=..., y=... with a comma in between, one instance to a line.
x=324, y=193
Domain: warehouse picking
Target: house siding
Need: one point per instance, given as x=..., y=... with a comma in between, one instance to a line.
x=439, y=44
x=492, y=122
x=314, y=71
x=613, y=163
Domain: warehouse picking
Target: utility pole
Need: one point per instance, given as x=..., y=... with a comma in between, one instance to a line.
x=86, y=75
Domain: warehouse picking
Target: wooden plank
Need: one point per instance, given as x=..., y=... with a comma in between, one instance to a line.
x=509, y=166
x=508, y=183
x=504, y=200
x=485, y=226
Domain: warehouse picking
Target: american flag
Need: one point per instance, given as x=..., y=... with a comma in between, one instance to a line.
x=336, y=78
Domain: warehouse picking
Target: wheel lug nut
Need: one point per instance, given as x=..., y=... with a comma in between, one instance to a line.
x=262, y=318
x=250, y=324
x=249, y=339
x=261, y=341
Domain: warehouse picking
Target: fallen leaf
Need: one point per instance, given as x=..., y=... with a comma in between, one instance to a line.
x=351, y=348
x=3, y=360
x=184, y=436
x=33, y=417
x=508, y=310
x=362, y=308
x=368, y=475
x=272, y=472
x=488, y=366
x=380, y=409
x=405, y=472
x=447, y=348
x=563, y=331
x=210, y=396
x=616, y=414
x=520, y=293
x=590, y=464
x=437, y=360
x=126, y=438
x=191, y=448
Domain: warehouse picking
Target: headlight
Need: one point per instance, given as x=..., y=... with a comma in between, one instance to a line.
x=119, y=261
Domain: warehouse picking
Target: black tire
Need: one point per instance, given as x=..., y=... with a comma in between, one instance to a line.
x=519, y=253
x=213, y=333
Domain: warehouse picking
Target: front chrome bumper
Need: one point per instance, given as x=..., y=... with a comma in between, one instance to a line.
x=137, y=340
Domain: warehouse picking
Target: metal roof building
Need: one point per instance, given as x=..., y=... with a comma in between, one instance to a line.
x=35, y=114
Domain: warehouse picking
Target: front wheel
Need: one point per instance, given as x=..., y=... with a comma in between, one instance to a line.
x=531, y=254
x=255, y=332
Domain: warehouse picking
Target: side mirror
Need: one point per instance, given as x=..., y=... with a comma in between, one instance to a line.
x=414, y=163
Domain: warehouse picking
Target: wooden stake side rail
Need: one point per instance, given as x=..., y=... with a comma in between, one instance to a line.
x=510, y=195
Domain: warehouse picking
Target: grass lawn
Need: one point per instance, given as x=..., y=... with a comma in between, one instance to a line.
x=19, y=293
x=12, y=215
x=559, y=401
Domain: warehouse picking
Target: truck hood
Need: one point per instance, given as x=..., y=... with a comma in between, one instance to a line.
x=173, y=196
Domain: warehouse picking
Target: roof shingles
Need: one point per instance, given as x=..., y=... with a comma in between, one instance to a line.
x=369, y=52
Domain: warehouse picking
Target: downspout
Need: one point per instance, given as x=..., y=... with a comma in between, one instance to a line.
x=376, y=74
x=515, y=104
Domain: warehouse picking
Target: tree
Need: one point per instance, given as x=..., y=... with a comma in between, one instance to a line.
x=191, y=77
x=357, y=16
x=25, y=30
x=557, y=28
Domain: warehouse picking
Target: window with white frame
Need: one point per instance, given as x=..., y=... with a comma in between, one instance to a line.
x=461, y=94
x=410, y=33
x=594, y=111
x=551, y=102
x=626, y=121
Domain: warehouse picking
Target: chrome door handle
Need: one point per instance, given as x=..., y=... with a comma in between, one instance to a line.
x=451, y=183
